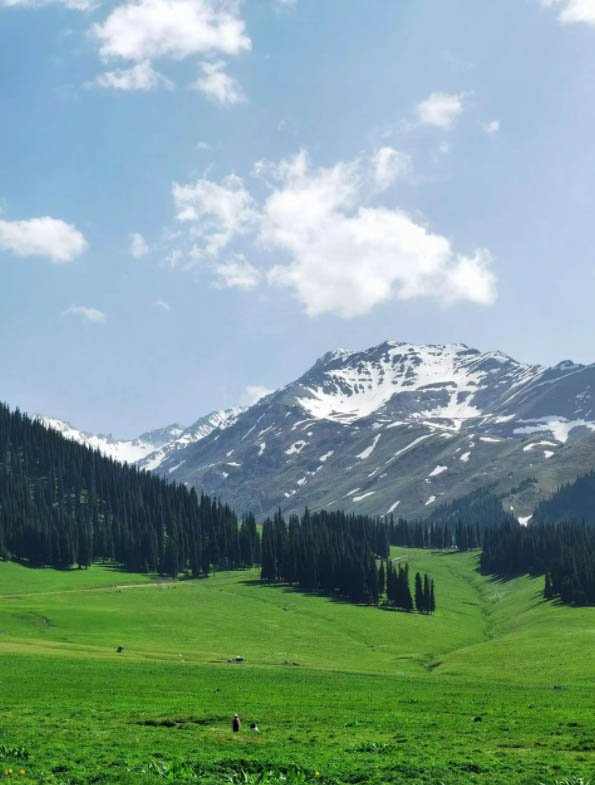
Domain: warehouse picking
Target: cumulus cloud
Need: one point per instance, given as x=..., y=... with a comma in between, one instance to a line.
x=138, y=246
x=143, y=31
x=151, y=29
x=255, y=392
x=573, y=10
x=336, y=250
x=89, y=315
x=141, y=76
x=440, y=110
x=214, y=212
x=50, y=237
x=218, y=85
x=238, y=273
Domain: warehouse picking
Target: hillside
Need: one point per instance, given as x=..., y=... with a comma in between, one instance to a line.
x=395, y=428
x=574, y=501
x=497, y=687
x=63, y=503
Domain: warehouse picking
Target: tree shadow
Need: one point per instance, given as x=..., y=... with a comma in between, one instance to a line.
x=290, y=588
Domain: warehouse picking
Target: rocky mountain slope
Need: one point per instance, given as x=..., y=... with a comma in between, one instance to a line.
x=396, y=428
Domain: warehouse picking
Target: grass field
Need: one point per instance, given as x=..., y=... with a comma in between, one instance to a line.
x=497, y=688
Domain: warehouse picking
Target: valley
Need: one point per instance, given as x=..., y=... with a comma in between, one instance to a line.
x=496, y=687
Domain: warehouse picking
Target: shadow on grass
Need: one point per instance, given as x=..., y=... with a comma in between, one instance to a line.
x=289, y=588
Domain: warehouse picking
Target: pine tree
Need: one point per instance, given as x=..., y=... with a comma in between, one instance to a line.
x=420, y=600
x=381, y=579
x=427, y=599
x=547, y=592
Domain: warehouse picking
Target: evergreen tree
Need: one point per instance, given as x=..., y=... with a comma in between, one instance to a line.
x=427, y=597
x=420, y=600
x=547, y=592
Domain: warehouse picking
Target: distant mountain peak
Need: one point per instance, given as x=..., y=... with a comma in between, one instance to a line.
x=394, y=426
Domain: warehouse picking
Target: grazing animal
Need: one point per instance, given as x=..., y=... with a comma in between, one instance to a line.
x=120, y=649
x=236, y=723
x=254, y=727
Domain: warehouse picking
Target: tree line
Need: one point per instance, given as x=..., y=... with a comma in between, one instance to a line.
x=62, y=504
x=572, y=501
x=339, y=553
x=434, y=534
x=564, y=551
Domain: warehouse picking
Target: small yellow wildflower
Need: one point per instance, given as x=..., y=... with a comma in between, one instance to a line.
x=317, y=774
x=22, y=771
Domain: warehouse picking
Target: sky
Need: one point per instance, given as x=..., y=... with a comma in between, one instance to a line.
x=198, y=198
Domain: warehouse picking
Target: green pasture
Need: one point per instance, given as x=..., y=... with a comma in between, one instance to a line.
x=498, y=687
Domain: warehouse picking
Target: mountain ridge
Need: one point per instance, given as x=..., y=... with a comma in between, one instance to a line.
x=395, y=427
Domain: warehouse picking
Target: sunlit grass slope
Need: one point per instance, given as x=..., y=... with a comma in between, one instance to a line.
x=498, y=687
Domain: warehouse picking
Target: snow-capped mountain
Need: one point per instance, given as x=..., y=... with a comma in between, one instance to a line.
x=149, y=449
x=216, y=421
x=123, y=450
x=397, y=427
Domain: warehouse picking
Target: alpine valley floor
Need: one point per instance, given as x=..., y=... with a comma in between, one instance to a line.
x=497, y=688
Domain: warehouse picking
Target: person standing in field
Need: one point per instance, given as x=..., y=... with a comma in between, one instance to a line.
x=236, y=723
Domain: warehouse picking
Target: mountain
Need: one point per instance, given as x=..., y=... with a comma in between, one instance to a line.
x=122, y=450
x=396, y=428
x=149, y=449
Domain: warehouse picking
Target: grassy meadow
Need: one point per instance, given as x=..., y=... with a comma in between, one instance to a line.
x=497, y=688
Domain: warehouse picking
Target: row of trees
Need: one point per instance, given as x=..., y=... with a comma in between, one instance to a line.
x=340, y=554
x=434, y=534
x=62, y=504
x=325, y=551
x=565, y=552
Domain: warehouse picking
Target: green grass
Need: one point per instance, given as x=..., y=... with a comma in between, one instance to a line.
x=498, y=687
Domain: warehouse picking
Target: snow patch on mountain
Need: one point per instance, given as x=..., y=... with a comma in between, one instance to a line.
x=369, y=450
x=363, y=496
x=560, y=428
x=438, y=470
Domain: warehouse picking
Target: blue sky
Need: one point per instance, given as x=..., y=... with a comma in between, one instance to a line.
x=200, y=197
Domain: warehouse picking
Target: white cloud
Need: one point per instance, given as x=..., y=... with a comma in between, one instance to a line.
x=492, y=127
x=238, y=273
x=141, y=76
x=50, y=237
x=90, y=315
x=138, y=246
x=76, y=5
x=215, y=212
x=203, y=146
x=255, y=392
x=161, y=304
x=151, y=29
x=337, y=252
x=218, y=85
x=440, y=110
x=389, y=164
x=573, y=10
